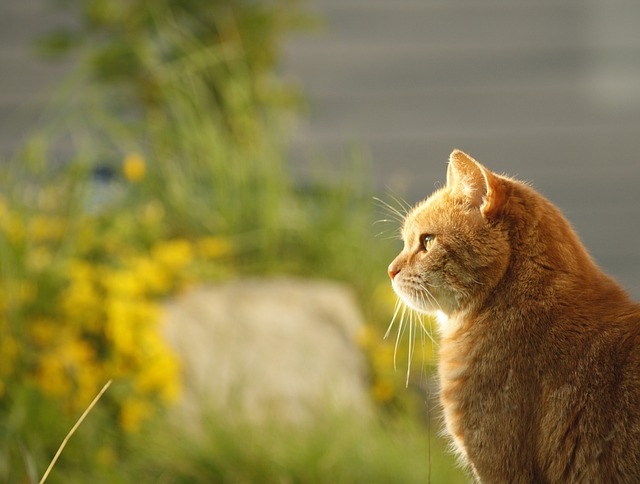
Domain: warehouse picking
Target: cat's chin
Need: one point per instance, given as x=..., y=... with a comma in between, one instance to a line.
x=432, y=305
x=415, y=303
x=447, y=322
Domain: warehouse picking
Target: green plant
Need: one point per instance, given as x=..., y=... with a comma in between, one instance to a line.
x=134, y=47
x=335, y=448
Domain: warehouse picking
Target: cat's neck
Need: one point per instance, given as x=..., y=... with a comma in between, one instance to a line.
x=534, y=298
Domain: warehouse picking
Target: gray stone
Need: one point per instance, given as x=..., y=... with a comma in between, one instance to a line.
x=269, y=349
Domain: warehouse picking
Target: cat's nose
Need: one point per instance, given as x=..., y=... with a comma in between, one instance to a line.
x=393, y=271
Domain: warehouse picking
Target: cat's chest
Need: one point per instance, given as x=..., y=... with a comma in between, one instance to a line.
x=453, y=369
x=480, y=389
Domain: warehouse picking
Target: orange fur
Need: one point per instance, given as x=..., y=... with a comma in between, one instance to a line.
x=540, y=350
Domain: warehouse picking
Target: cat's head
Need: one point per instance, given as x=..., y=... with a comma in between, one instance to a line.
x=455, y=248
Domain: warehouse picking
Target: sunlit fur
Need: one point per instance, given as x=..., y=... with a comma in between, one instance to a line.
x=539, y=358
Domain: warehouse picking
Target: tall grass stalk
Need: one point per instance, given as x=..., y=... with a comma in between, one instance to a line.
x=72, y=431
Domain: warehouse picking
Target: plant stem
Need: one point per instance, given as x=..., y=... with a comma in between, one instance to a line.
x=73, y=429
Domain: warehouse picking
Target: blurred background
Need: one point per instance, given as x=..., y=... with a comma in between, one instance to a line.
x=151, y=151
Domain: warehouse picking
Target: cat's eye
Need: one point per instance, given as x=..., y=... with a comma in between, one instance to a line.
x=426, y=240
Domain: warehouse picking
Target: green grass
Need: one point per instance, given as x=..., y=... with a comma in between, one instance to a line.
x=336, y=449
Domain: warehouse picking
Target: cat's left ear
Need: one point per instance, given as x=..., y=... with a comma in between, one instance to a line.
x=480, y=186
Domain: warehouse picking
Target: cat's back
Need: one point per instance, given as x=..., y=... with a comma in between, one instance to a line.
x=589, y=428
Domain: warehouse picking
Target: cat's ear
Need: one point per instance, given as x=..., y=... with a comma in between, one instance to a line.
x=472, y=180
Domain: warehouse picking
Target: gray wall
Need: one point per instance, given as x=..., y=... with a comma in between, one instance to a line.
x=25, y=81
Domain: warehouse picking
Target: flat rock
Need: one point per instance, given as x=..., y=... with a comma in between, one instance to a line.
x=265, y=349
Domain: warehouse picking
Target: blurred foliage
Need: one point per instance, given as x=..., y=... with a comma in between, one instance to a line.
x=333, y=449
x=160, y=165
x=229, y=48
x=81, y=304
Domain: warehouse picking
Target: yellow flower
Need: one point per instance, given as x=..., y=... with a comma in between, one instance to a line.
x=121, y=326
x=13, y=227
x=173, y=254
x=80, y=270
x=160, y=374
x=151, y=275
x=81, y=301
x=88, y=377
x=9, y=350
x=123, y=283
x=134, y=167
x=52, y=375
x=76, y=352
x=133, y=412
x=213, y=247
x=43, y=332
x=39, y=258
x=46, y=228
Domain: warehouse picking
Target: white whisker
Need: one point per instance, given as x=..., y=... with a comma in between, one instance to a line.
x=395, y=231
x=406, y=315
x=412, y=335
x=429, y=295
x=401, y=329
x=427, y=332
x=396, y=308
x=393, y=212
x=404, y=205
x=397, y=214
x=393, y=236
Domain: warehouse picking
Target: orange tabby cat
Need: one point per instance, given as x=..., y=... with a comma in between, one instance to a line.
x=540, y=350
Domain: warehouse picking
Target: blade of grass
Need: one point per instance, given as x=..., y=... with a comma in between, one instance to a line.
x=73, y=429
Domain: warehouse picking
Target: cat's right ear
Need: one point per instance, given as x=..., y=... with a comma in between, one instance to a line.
x=481, y=187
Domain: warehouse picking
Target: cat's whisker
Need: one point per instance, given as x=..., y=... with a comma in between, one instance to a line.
x=401, y=328
x=383, y=220
x=430, y=284
x=428, y=332
x=395, y=231
x=420, y=317
x=382, y=236
x=388, y=207
x=404, y=205
x=411, y=346
x=396, y=309
x=429, y=299
x=393, y=234
x=412, y=321
x=399, y=215
x=429, y=295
